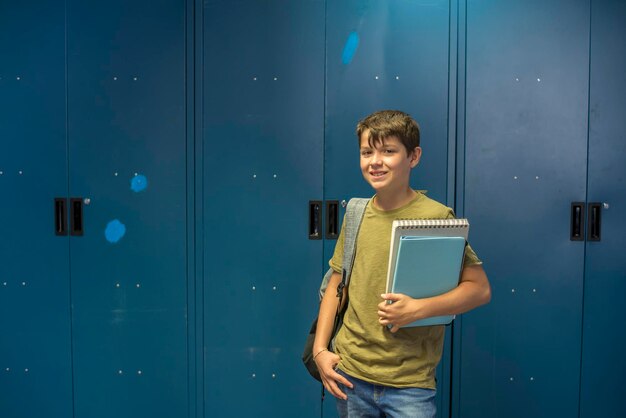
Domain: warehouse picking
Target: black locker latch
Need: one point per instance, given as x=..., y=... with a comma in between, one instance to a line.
x=594, y=222
x=332, y=219
x=60, y=216
x=76, y=216
x=315, y=218
x=577, y=219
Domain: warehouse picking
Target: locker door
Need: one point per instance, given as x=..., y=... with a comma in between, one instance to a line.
x=35, y=359
x=127, y=147
x=526, y=150
x=604, y=343
x=387, y=55
x=262, y=140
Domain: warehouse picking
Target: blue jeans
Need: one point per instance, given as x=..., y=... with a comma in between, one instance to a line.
x=369, y=400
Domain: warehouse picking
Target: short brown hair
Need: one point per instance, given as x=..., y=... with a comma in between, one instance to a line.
x=386, y=123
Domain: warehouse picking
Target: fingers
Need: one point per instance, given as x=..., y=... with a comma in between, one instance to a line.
x=341, y=379
x=391, y=297
x=391, y=301
x=326, y=363
x=386, y=313
x=387, y=317
x=333, y=388
x=384, y=308
x=331, y=381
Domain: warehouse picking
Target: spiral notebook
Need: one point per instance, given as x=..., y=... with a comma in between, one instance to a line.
x=426, y=259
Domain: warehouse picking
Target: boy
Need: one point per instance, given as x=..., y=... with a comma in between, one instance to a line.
x=376, y=371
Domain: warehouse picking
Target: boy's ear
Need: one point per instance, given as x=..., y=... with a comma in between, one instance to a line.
x=415, y=156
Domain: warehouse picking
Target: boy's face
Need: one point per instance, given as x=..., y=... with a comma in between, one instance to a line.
x=385, y=165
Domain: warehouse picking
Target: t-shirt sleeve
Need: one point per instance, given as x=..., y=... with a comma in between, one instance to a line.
x=471, y=259
x=336, y=261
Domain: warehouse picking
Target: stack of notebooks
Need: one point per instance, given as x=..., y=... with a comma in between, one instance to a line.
x=426, y=259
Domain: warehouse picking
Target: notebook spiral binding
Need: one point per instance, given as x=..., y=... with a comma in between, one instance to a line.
x=432, y=223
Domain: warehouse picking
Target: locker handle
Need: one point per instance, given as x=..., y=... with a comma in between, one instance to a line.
x=76, y=216
x=332, y=219
x=315, y=209
x=576, y=221
x=594, y=221
x=60, y=216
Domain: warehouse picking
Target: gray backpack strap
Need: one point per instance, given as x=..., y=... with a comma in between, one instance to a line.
x=354, y=215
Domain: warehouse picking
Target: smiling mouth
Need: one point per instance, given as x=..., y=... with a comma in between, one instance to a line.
x=376, y=174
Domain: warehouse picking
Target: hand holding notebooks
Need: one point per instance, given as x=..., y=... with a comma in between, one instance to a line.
x=426, y=259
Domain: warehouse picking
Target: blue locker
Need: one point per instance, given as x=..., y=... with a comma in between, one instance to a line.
x=386, y=55
x=127, y=164
x=262, y=141
x=389, y=55
x=603, y=365
x=525, y=157
x=192, y=135
x=35, y=331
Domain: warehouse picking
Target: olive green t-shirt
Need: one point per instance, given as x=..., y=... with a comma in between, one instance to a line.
x=368, y=350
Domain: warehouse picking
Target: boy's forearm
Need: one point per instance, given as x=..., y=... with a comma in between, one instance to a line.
x=473, y=291
x=326, y=317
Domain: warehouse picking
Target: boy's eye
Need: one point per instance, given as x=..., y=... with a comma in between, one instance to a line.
x=390, y=151
x=366, y=153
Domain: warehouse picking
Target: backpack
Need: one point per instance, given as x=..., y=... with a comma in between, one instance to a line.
x=354, y=216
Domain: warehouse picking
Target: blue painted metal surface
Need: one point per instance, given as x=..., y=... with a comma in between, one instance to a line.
x=35, y=355
x=263, y=128
x=126, y=113
x=276, y=129
x=195, y=224
x=399, y=62
x=604, y=342
x=526, y=149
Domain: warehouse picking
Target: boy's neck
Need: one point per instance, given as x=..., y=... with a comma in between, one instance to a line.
x=391, y=200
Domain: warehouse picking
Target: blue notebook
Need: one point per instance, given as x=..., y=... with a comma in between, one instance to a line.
x=426, y=259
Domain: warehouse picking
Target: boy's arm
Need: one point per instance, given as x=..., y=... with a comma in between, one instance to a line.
x=472, y=291
x=324, y=359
